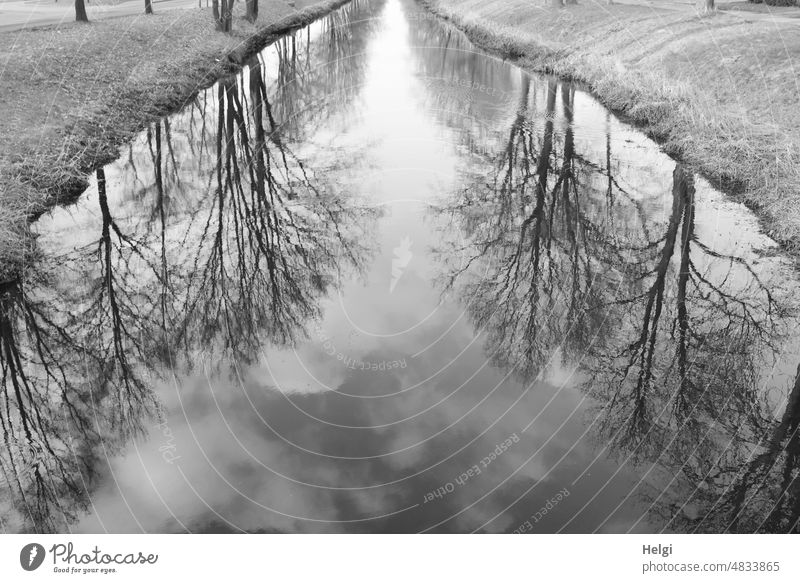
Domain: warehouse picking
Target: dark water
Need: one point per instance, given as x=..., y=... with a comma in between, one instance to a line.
x=382, y=281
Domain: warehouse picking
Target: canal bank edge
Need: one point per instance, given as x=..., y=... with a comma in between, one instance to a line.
x=642, y=63
x=49, y=162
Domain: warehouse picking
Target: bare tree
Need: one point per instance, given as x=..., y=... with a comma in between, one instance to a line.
x=223, y=14
x=80, y=11
x=252, y=10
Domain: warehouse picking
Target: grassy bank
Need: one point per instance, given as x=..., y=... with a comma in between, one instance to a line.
x=718, y=91
x=72, y=94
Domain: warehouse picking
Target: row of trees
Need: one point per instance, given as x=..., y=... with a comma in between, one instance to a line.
x=81, y=16
x=707, y=5
x=222, y=10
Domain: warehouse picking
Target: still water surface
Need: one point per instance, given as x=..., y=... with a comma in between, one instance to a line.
x=383, y=281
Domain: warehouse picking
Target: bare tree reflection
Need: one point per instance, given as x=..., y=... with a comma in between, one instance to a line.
x=694, y=324
x=671, y=335
x=751, y=486
x=273, y=239
x=45, y=415
x=307, y=71
x=223, y=240
x=530, y=244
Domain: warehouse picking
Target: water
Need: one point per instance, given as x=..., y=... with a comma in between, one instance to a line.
x=383, y=281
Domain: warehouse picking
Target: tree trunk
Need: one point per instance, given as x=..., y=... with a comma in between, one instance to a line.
x=80, y=11
x=148, y=6
x=227, y=15
x=709, y=6
x=252, y=10
x=223, y=14
x=215, y=11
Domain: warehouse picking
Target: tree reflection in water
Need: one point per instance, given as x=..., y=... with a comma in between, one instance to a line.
x=531, y=239
x=671, y=337
x=43, y=472
x=270, y=243
x=176, y=272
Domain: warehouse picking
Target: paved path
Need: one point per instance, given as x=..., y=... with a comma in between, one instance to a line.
x=17, y=14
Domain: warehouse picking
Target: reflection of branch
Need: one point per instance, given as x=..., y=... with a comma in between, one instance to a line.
x=113, y=312
x=41, y=408
x=529, y=225
x=272, y=242
x=724, y=321
x=754, y=488
x=671, y=351
x=641, y=351
x=306, y=72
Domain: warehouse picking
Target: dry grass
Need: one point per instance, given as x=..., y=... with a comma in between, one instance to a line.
x=716, y=91
x=14, y=240
x=72, y=94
